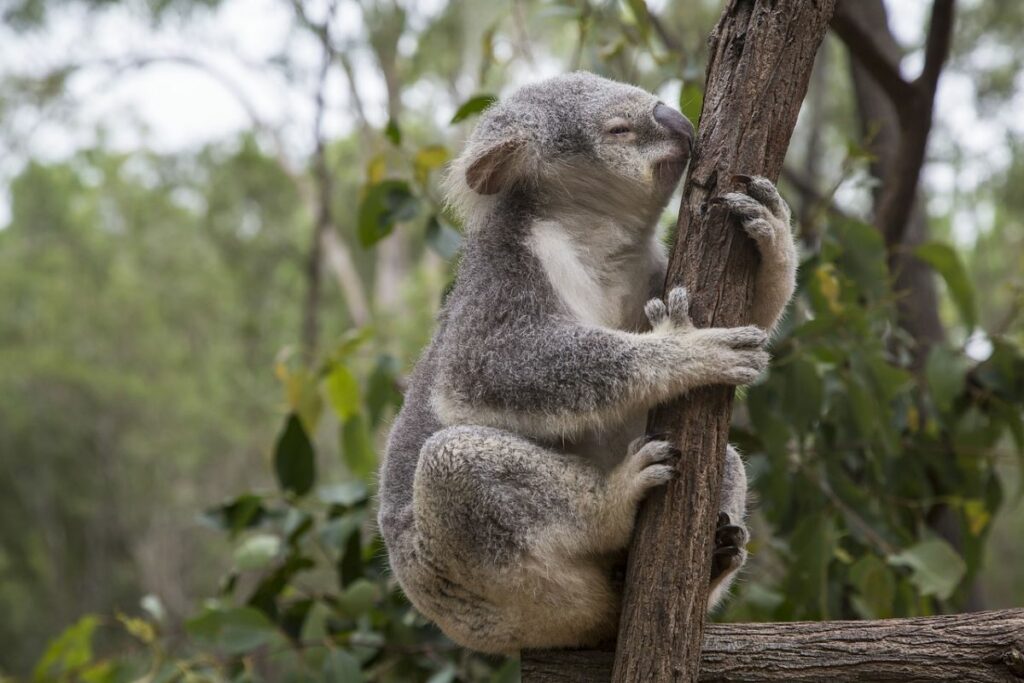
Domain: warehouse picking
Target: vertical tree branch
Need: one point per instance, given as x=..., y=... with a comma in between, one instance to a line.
x=322, y=174
x=762, y=53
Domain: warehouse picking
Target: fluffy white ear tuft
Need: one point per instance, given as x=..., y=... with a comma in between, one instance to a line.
x=494, y=169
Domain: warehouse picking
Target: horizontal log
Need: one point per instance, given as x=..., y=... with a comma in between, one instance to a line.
x=983, y=647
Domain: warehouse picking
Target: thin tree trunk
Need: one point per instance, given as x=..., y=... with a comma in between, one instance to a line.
x=880, y=131
x=983, y=647
x=761, y=56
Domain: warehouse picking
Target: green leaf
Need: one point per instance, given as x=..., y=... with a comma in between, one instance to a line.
x=946, y=371
x=341, y=667
x=345, y=494
x=350, y=568
x=71, y=650
x=691, y=101
x=243, y=512
x=946, y=262
x=385, y=204
x=256, y=552
x=294, y=461
x=334, y=535
x=508, y=673
x=264, y=597
x=474, y=105
x=357, y=447
x=813, y=545
x=427, y=159
x=236, y=630
x=442, y=238
x=936, y=569
x=358, y=598
x=876, y=587
x=343, y=392
x=445, y=675
x=380, y=390
x=393, y=132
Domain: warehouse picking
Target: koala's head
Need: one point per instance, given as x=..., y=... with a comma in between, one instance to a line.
x=574, y=139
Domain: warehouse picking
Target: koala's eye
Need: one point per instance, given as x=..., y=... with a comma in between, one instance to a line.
x=618, y=127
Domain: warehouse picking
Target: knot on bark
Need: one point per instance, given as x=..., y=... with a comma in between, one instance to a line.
x=1013, y=659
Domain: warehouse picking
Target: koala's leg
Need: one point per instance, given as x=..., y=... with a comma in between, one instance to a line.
x=515, y=541
x=731, y=535
x=765, y=216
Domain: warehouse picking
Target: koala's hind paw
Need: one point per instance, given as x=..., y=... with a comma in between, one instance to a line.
x=763, y=214
x=729, y=553
x=677, y=312
x=764, y=191
x=648, y=464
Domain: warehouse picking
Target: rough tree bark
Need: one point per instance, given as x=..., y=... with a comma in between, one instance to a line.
x=983, y=647
x=761, y=56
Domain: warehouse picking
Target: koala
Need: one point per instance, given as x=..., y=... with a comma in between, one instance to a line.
x=513, y=472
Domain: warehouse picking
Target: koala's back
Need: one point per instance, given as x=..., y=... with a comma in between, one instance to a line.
x=499, y=283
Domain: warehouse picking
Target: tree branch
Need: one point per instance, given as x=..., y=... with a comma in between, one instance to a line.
x=916, y=116
x=981, y=647
x=865, y=49
x=762, y=54
x=914, y=104
x=940, y=33
x=324, y=181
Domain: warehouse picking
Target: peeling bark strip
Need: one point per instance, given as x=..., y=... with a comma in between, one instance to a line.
x=982, y=647
x=761, y=56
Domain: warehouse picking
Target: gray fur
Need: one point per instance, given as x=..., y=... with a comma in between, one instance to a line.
x=514, y=469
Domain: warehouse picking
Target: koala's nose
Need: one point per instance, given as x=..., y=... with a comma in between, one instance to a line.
x=675, y=122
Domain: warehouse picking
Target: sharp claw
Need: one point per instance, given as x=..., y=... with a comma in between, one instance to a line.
x=740, y=178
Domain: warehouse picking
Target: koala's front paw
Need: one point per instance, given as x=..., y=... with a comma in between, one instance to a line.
x=729, y=553
x=764, y=216
x=675, y=314
x=716, y=355
x=649, y=463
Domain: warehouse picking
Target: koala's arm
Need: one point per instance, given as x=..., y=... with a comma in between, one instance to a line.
x=555, y=379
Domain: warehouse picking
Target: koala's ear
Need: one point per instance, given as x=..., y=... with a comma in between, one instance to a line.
x=494, y=168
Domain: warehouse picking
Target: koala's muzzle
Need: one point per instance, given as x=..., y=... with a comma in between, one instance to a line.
x=674, y=122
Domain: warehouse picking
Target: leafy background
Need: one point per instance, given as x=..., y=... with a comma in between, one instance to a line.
x=204, y=338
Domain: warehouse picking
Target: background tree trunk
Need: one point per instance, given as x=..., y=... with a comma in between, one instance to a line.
x=880, y=131
x=761, y=56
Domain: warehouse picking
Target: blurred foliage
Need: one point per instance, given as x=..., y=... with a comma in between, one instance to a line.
x=151, y=303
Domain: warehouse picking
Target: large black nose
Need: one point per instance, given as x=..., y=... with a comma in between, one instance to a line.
x=673, y=121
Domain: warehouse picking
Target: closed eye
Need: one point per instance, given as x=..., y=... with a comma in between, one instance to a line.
x=618, y=126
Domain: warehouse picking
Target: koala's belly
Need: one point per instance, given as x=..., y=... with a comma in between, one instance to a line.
x=607, y=446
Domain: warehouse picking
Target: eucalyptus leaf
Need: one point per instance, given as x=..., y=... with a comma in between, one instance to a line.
x=357, y=447
x=474, y=105
x=385, y=204
x=946, y=262
x=235, y=630
x=936, y=568
x=294, y=460
x=257, y=551
x=343, y=392
x=341, y=667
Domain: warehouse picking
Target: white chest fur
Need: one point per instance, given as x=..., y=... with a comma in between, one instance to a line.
x=601, y=273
